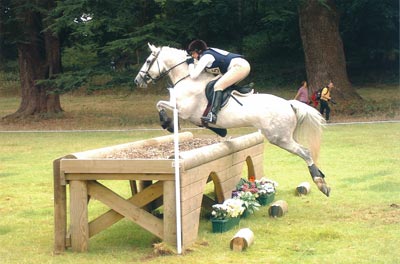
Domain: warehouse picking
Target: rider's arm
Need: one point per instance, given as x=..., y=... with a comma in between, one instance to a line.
x=195, y=70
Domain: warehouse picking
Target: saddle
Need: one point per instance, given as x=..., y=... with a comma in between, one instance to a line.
x=226, y=93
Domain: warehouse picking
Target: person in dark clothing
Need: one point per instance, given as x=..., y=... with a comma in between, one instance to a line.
x=233, y=68
x=325, y=98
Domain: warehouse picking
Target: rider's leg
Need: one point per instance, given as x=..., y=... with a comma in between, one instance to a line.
x=215, y=107
x=235, y=74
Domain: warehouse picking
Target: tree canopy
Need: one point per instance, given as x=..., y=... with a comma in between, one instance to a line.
x=97, y=34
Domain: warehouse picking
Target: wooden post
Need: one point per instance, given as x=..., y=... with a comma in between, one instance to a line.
x=60, y=210
x=242, y=239
x=278, y=209
x=134, y=189
x=169, y=213
x=141, y=186
x=79, y=216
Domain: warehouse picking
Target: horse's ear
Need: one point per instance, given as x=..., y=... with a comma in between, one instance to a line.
x=151, y=47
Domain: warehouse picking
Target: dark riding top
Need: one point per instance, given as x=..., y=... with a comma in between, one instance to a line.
x=222, y=60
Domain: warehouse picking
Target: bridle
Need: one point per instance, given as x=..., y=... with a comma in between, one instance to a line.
x=147, y=77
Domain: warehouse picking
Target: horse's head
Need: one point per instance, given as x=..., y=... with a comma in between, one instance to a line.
x=161, y=62
x=151, y=69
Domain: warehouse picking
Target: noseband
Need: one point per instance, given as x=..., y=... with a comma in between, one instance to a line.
x=147, y=77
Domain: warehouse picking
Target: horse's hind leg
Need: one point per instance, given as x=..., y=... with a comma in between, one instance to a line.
x=318, y=178
x=299, y=150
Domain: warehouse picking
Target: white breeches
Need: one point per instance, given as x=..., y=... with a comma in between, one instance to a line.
x=238, y=69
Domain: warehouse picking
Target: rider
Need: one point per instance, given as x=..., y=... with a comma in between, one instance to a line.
x=233, y=68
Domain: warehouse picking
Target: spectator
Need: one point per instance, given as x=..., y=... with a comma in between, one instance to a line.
x=325, y=98
x=302, y=93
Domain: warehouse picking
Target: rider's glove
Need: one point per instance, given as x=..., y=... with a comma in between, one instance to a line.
x=189, y=60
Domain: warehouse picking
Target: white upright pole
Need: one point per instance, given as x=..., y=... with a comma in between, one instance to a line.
x=177, y=176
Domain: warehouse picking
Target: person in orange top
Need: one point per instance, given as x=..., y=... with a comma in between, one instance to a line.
x=325, y=98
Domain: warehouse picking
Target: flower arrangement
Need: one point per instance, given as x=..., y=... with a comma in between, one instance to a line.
x=266, y=187
x=263, y=190
x=229, y=209
x=262, y=187
x=249, y=201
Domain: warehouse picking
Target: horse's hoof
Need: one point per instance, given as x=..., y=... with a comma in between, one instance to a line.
x=167, y=123
x=325, y=190
x=320, y=182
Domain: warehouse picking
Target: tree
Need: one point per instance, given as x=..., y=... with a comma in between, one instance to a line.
x=323, y=47
x=39, y=58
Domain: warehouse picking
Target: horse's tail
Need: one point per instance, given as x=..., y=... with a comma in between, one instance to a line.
x=309, y=127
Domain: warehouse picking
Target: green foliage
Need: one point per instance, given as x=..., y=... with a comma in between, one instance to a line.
x=79, y=57
x=93, y=33
x=370, y=32
x=65, y=82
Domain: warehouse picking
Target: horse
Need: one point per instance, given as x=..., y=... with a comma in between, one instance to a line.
x=284, y=123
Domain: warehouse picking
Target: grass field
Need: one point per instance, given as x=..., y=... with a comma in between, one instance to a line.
x=126, y=110
x=359, y=223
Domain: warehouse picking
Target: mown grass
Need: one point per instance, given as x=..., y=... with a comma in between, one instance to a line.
x=357, y=224
x=126, y=110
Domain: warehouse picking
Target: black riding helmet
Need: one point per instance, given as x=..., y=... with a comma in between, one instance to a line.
x=197, y=45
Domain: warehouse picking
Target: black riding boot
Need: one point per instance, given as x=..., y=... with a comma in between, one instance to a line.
x=216, y=106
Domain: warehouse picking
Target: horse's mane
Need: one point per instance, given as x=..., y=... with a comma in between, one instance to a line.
x=174, y=50
x=204, y=76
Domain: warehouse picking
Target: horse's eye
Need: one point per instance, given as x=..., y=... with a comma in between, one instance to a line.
x=148, y=61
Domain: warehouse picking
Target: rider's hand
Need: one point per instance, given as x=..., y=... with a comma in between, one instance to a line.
x=189, y=60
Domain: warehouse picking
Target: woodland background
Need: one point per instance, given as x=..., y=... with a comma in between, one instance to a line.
x=55, y=47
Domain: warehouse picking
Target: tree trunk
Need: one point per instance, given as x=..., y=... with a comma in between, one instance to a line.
x=39, y=58
x=1, y=34
x=323, y=48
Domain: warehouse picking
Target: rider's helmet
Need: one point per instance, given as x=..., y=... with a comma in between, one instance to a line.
x=197, y=45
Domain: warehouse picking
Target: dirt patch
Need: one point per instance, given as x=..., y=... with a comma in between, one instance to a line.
x=162, y=151
x=386, y=214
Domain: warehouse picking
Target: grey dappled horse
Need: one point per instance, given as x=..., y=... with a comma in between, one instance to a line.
x=284, y=123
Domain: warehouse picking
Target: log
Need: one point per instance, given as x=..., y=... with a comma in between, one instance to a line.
x=243, y=239
x=278, y=209
x=303, y=188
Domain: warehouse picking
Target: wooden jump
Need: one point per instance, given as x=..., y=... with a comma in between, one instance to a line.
x=221, y=163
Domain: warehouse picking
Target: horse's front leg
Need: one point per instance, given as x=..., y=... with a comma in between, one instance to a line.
x=165, y=121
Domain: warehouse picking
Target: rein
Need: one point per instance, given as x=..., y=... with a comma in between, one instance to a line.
x=161, y=75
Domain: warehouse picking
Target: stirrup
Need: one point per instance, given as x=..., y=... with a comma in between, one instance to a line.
x=210, y=118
